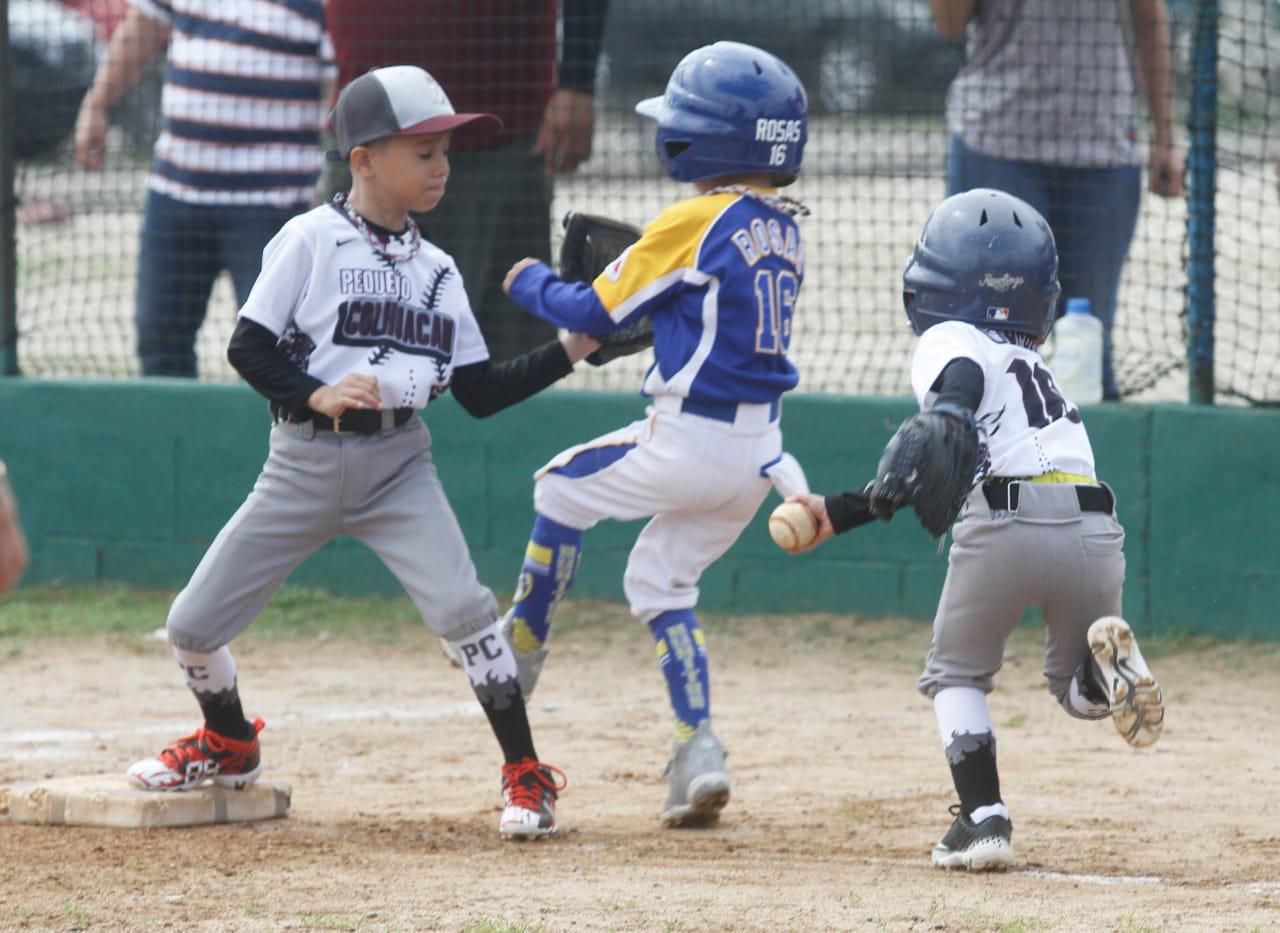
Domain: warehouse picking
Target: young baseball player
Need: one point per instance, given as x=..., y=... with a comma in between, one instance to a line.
x=1037, y=527
x=718, y=274
x=356, y=323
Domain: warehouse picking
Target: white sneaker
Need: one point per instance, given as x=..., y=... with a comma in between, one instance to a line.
x=1137, y=705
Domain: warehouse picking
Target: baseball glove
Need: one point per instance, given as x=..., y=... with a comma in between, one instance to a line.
x=929, y=463
x=590, y=244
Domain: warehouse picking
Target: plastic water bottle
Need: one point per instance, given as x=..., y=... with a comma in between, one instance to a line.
x=1077, y=353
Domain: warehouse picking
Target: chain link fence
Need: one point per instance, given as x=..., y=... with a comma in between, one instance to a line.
x=877, y=73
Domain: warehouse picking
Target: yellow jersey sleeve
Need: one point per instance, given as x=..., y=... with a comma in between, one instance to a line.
x=662, y=260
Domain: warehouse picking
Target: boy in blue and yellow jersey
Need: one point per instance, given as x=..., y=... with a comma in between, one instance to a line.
x=719, y=275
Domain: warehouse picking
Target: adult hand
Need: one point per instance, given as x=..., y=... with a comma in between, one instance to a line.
x=91, y=135
x=13, y=545
x=515, y=270
x=354, y=391
x=817, y=507
x=564, y=138
x=1166, y=171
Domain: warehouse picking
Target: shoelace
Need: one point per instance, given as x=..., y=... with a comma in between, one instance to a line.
x=527, y=783
x=216, y=743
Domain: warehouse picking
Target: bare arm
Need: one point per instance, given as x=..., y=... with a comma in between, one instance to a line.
x=136, y=41
x=1155, y=63
x=951, y=16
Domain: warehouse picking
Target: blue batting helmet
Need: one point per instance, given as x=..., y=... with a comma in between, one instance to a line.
x=987, y=258
x=730, y=108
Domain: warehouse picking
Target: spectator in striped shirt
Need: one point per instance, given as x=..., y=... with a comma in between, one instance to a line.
x=238, y=154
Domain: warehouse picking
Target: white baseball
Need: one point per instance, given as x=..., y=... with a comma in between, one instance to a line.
x=792, y=525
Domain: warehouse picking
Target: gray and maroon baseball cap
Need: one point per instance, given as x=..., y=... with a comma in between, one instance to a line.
x=402, y=100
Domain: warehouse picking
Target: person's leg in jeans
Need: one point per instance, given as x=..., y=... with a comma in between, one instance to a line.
x=177, y=264
x=243, y=232
x=1093, y=215
x=967, y=169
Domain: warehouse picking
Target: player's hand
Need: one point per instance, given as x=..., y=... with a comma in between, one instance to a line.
x=579, y=346
x=354, y=391
x=817, y=506
x=91, y=135
x=13, y=546
x=1166, y=170
x=515, y=270
x=564, y=138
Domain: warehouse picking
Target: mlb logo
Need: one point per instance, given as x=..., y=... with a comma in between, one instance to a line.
x=997, y=314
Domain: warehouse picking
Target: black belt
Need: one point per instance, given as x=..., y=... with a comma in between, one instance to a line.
x=1002, y=496
x=351, y=421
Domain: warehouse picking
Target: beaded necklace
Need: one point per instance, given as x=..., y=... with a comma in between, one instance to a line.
x=414, y=237
x=778, y=202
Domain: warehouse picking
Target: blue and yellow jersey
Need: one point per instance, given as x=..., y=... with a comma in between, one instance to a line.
x=719, y=274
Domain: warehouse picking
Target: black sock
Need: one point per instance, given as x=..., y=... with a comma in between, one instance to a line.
x=510, y=723
x=224, y=715
x=973, y=769
x=1093, y=686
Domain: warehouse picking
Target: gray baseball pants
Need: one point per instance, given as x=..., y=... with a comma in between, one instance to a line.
x=381, y=489
x=1049, y=553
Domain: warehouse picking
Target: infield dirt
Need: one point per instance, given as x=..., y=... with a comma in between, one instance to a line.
x=840, y=789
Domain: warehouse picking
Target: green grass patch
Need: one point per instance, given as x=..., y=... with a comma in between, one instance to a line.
x=296, y=612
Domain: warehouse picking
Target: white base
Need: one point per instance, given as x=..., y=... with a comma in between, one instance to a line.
x=110, y=800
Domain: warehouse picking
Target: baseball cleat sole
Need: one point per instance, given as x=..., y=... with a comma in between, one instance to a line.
x=1137, y=704
x=992, y=854
x=708, y=795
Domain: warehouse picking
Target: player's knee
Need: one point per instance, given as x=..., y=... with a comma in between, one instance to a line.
x=649, y=593
x=189, y=630
x=553, y=497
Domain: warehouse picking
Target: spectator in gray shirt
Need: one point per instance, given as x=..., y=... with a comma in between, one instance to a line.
x=1046, y=108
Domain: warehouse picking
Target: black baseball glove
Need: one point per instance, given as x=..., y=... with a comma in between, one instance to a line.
x=929, y=463
x=590, y=244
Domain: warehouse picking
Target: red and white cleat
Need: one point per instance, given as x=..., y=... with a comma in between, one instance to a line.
x=529, y=790
x=202, y=756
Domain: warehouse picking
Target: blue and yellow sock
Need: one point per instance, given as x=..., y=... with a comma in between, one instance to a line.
x=550, y=561
x=682, y=656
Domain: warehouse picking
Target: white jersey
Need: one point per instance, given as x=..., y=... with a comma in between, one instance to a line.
x=338, y=307
x=1029, y=428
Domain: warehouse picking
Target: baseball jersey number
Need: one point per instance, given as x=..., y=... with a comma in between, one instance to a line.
x=1041, y=399
x=776, y=303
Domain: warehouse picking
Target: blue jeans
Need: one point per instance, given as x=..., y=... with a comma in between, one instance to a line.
x=184, y=248
x=1092, y=212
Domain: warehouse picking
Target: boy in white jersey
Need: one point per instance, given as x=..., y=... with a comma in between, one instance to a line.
x=718, y=274
x=1037, y=528
x=354, y=325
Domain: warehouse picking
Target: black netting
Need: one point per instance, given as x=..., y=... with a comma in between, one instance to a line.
x=1056, y=85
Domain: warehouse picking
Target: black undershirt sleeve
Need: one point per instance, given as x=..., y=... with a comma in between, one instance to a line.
x=959, y=385
x=486, y=388
x=848, y=510
x=253, y=353
x=583, y=24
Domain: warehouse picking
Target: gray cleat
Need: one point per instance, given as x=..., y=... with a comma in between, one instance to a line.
x=528, y=664
x=699, y=780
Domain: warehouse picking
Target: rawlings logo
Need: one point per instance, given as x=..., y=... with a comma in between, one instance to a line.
x=1001, y=283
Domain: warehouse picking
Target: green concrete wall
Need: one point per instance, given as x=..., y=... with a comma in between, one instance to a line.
x=130, y=481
